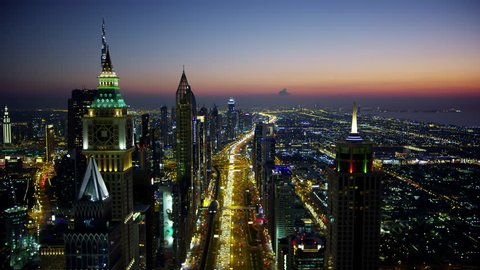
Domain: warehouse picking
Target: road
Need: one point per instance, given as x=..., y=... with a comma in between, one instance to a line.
x=41, y=212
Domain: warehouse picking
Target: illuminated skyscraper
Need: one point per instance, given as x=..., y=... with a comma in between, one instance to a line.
x=232, y=120
x=7, y=128
x=353, y=205
x=108, y=137
x=49, y=142
x=204, y=162
x=185, y=191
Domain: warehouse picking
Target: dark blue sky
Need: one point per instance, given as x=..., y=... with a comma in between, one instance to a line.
x=376, y=49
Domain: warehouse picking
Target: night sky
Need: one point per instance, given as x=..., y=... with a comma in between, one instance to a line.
x=314, y=49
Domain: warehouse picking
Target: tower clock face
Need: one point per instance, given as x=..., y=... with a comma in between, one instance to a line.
x=104, y=134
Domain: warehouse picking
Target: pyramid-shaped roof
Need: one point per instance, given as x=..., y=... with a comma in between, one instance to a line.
x=93, y=186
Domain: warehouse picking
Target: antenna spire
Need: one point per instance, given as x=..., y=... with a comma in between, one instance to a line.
x=106, y=61
x=354, y=119
x=354, y=136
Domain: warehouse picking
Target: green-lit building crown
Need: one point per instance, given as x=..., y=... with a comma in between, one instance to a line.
x=108, y=90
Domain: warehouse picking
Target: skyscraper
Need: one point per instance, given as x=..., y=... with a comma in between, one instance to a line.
x=164, y=126
x=281, y=217
x=185, y=189
x=94, y=243
x=77, y=107
x=215, y=123
x=232, y=120
x=353, y=205
x=49, y=142
x=204, y=152
x=108, y=137
x=7, y=128
x=263, y=163
x=145, y=139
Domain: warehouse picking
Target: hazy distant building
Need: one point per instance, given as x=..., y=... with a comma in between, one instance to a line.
x=245, y=121
x=353, y=205
x=21, y=131
x=108, y=137
x=215, y=126
x=77, y=107
x=164, y=126
x=232, y=120
x=7, y=128
x=145, y=138
x=185, y=188
x=49, y=142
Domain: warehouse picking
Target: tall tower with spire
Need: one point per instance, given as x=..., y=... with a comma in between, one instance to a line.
x=108, y=138
x=7, y=128
x=353, y=205
x=186, y=188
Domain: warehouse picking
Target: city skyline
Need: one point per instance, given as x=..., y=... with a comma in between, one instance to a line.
x=291, y=178
x=321, y=50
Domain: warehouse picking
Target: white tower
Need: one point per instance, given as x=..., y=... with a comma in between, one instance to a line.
x=7, y=128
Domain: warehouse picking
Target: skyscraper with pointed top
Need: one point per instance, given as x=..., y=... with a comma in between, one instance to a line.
x=353, y=205
x=108, y=138
x=186, y=188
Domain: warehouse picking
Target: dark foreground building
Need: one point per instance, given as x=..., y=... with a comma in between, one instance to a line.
x=353, y=205
x=95, y=241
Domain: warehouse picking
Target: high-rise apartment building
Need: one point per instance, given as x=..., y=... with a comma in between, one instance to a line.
x=108, y=137
x=185, y=191
x=145, y=139
x=283, y=208
x=353, y=205
x=204, y=162
x=215, y=125
x=264, y=162
x=77, y=107
x=232, y=120
x=49, y=142
x=7, y=128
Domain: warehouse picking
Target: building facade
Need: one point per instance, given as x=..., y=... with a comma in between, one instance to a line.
x=77, y=107
x=7, y=127
x=108, y=138
x=95, y=241
x=49, y=142
x=264, y=163
x=186, y=188
x=232, y=121
x=353, y=205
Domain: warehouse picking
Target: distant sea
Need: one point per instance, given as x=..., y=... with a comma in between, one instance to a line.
x=463, y=118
